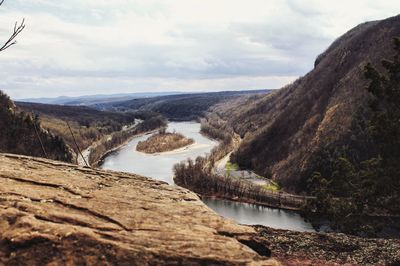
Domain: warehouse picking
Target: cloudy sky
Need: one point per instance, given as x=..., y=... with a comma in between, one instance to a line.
x=81, y=47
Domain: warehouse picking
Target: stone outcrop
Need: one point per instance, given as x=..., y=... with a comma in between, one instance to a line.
x=320, y=249
x=52, y=212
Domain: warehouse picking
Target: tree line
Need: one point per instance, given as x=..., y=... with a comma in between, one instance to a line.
x=150, y=122
x=198, y=175
x=22, y=133
x=355, y=189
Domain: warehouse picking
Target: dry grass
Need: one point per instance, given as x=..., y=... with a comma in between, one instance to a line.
x=282, y=131
x=84, y=136
x=163, y=142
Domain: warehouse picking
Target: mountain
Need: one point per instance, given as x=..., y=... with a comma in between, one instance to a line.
x=319, y=117
x=178, y=107
x=87, y=124
x=81, y=114
x=22, y=133
x=96, y=99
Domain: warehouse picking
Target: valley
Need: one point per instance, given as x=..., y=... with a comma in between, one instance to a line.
x=127, y=159
x=196, y=171
x=89, y=131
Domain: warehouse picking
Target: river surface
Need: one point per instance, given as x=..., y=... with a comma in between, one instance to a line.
x=159, y=166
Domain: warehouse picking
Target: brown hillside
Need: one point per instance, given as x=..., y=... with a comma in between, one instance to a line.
x=283, y=130
x=22, y=133
x=87, y=124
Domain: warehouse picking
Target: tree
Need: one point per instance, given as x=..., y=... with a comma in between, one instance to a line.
x=385, y=129
x=18, y=28
x=354, y=189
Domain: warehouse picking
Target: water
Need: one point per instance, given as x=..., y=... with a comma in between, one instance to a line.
x=251, y=214
x=159, y=166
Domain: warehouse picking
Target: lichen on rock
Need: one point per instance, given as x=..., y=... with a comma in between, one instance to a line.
x=59, y=213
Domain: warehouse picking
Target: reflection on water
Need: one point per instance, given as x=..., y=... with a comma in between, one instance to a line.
x=159, y=166
x=251, y=214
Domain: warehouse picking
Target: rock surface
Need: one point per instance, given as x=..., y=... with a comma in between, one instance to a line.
x=304, y=248
x=51, y=212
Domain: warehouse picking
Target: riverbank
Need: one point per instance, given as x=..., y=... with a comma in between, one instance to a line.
x=160, y=167
x=180, y=150
x=248, y=201
x=116, y=148
x=163, y=142
x=206, y=178
x=109, y=143
x=130, y=160
x=84, y=160
x=225, y=168
x=198, y=176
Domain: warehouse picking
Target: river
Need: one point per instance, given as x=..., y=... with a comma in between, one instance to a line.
x=159, y=166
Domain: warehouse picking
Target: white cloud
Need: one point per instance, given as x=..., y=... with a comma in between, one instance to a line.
x=102, y=46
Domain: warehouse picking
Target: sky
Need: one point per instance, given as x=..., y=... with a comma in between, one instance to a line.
x=84, y=47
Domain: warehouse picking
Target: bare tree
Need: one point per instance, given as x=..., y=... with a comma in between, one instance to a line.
x=18, y=28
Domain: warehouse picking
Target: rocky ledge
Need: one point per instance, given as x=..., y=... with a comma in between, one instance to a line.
x=302, y=248
x=56, y=213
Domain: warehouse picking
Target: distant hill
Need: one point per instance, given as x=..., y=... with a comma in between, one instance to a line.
x=82, y=114
x=317, y=118
x=88, y=124
x=22, y=133
x=96, y=99
x=178, y=107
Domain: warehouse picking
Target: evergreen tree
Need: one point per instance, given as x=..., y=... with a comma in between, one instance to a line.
x=355, y=189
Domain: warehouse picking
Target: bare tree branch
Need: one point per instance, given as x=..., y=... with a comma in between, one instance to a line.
x=18, y=28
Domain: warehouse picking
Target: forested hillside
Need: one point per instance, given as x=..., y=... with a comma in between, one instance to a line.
x=87, y=124
x=181, y=107
x=333, y=133
x=319, y=117
x=21, y=133
x=81, y=114
x=351, y=189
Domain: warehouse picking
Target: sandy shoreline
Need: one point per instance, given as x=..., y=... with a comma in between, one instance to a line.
x=100, y=161
x=177, y=151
